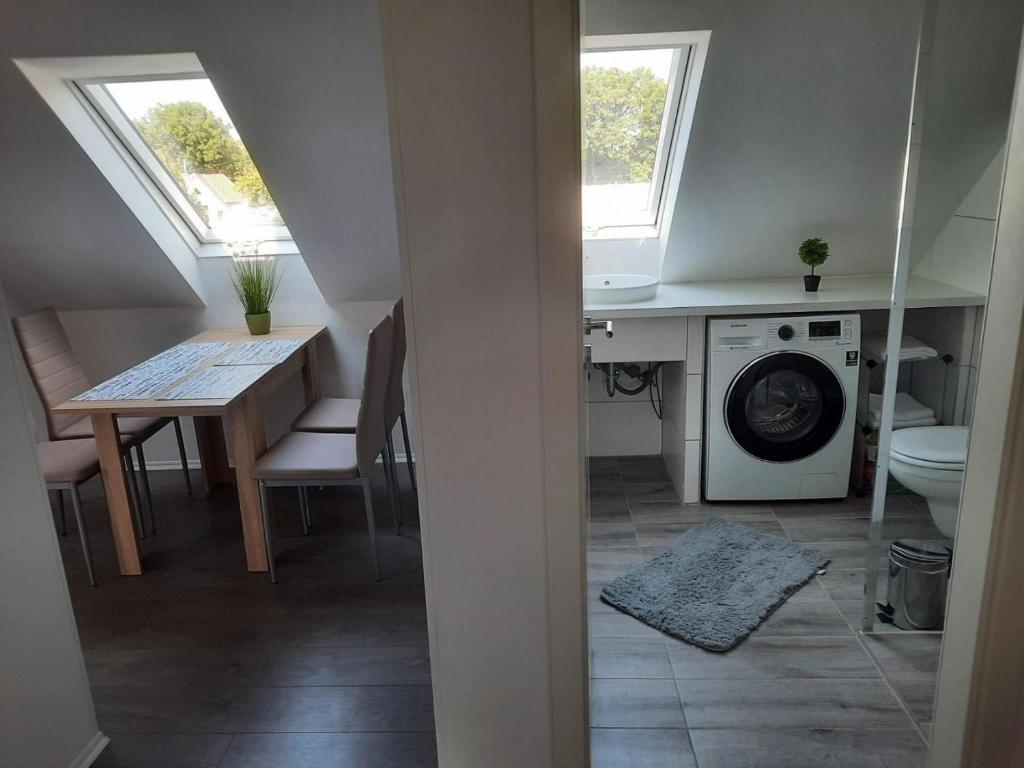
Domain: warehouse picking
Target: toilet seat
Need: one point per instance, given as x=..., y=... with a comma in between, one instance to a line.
x=943, y=448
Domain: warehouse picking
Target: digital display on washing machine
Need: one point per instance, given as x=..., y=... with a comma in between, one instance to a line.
x=825, y=329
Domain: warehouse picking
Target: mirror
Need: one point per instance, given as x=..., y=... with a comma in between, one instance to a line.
x=922, y=392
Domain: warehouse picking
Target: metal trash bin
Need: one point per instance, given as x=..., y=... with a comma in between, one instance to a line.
x=918, y=582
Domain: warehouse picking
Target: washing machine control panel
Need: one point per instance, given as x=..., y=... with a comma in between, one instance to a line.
x=814, y=332
x=825, y=329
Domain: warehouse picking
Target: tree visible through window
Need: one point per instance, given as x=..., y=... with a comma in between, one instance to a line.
x=183, y=123
x=625, y=101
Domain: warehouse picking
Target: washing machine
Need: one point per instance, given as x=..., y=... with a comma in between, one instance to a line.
x=780, y=416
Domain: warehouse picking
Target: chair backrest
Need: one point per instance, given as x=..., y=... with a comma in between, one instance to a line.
x=370, y=427
x=394, y=403
x=52, y=364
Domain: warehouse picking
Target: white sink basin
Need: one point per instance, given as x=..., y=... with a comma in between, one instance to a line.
x=618, y=289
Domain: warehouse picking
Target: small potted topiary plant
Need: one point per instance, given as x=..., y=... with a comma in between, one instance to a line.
x=813, y=252
x=255, y=281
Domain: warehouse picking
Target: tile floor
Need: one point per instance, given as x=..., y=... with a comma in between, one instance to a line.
x=198, y=663
x=806, y=690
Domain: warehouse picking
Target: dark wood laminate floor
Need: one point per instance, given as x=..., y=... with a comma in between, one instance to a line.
x=805, y=690
x=199, y=664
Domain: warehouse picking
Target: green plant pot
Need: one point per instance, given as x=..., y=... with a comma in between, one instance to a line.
x=811, y=283
x=259, y=325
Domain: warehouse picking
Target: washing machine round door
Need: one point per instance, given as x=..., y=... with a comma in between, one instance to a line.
x=784, y=406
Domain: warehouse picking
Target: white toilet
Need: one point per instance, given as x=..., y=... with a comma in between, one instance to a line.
x=930, y=461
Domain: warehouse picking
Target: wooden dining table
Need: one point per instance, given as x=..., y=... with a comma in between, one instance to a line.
x=242, y=412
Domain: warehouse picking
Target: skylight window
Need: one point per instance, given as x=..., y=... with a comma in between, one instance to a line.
x=179, y=132
x=632, y=88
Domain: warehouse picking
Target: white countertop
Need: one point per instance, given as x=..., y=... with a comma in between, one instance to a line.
x=781, y=296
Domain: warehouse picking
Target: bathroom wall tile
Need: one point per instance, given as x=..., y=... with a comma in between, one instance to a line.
x=673, y=451
x=626, y=428
x=693, y=474
x=695, y=335
x=694, y=406
x=673, y=391
x=963, y=235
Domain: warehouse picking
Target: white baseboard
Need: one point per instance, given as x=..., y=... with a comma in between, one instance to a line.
x=91, y=751
x=175, y=465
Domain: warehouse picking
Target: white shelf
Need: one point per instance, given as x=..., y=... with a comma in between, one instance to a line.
x=781, y=296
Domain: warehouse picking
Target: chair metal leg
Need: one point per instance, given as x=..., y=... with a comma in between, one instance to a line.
x=181, y=453
x=309, y=509
x=389, y=480
x=60, y=508
x=394, y=483
x=133, y=488
x=303, y=509
x=408, y=450
x=76, y=501
x=268, y=534
x=371, y=524
x=144, y=473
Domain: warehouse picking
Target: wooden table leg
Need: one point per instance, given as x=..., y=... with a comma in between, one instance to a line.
x=108, y=445
x=213, y=452
x=249, y=442
x=311, y=374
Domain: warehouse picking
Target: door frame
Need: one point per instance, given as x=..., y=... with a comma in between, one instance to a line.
x=557, y=40
x=507, y=634
x=981, y=669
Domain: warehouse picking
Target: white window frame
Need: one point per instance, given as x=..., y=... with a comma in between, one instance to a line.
x=70, y=87
x=683, y=87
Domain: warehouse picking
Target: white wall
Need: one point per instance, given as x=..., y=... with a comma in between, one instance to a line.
x=969, y=60
x=799, y=131
x=46, y=712
x=961, y=252
x=304, y=84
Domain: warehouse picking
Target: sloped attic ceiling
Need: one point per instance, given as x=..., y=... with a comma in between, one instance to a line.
x=304, y=84
x=971, y=70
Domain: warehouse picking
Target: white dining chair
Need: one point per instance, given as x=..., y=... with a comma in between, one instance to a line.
x=66, y=464
x=58, y=376
x=304, y=459
x=338, y=414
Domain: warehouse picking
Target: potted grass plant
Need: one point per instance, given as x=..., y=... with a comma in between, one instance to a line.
x=255, y=281
x=813, y=252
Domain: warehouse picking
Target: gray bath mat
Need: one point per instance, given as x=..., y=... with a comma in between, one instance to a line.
x=719, y=581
